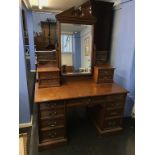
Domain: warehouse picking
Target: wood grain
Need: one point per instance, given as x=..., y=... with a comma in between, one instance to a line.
x=76, y=89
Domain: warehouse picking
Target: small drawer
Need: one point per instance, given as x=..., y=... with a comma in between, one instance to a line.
x=48, y=82
x=118, y=97
x=98, y=100
x=78, y=102
x=113, y=113
x=105, y=80
x=51, y=113
x=114, y=105
x=48, y=75
x=51, y=134
x=100, y=62
x=101, y=57
x=103, y=73
x=46, y=56
x=52, y=105
x=112, y=123
x=55, y=122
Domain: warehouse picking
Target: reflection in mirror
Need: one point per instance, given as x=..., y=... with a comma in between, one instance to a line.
x=76, y=48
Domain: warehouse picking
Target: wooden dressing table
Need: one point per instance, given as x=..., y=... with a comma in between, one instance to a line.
x=107, y=100
x=95, y=90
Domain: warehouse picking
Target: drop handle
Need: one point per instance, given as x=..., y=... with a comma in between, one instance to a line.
x=52, y=125
x=54, y=113
x=52, y=135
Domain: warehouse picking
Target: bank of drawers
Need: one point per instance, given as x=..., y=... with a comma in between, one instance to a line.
x=51, y=121
x=49, y=79
x=108, y=115
x=109, y=111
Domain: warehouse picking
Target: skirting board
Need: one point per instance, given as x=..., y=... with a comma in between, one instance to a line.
x=25, y=125
x=33, y=71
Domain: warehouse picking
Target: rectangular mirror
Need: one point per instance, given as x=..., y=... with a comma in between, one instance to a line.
x=76, y=48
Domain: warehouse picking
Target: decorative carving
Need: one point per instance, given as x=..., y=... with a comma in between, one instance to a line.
x=80, y=14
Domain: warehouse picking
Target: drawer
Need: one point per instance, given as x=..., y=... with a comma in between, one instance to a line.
x=114, y=105
x=106, y=79
x=100, y=62
x=118, y=97
x=104, y=72
x=55, y=122
x=52, y=105
x=78, y=102
x=49, y=82
x=98, y=100
x=48, y=75
x=46, y=56
x=51, y=134
x=113, y=113
x=101, y=57
x=112, y=123
x=51, y=113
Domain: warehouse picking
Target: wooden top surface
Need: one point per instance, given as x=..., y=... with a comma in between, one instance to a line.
x=76, y=89
x=47, y=68
x=105, y=66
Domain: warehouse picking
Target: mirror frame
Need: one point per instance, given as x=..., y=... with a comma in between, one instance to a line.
x=73, y=16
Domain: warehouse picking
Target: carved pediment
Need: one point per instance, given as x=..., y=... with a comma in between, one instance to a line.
x=80, y=14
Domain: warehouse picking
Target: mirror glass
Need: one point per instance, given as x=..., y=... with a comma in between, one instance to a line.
x=76, y=48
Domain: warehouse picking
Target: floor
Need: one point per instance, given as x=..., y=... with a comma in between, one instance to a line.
x=85, y=140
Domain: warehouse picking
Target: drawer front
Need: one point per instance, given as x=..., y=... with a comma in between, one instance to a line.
x=114, y=105
x=48, y=75
x=109, y=100
x=52, y=105
x=101, y=57
x=52, y=134
x=78, y=102
x=106, y=78
x=48, y=82
x=55, y=122
x=51, y=113
x=101, y=61
x=112, y=123
x=46, y=56
x=117, y=97
x=105, y=72
x=113, y=113
x=98, y=100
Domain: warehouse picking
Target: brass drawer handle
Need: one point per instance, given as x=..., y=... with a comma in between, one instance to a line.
x=54, y=113
x=52, y=105
x=52, y=135
x=52, y=125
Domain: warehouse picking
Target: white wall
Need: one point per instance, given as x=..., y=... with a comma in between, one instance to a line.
x=66, y=59
x=123, y=47
x=86, y=60
x=38, y=17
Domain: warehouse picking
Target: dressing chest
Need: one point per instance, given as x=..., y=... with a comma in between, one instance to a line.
x=93, y=87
